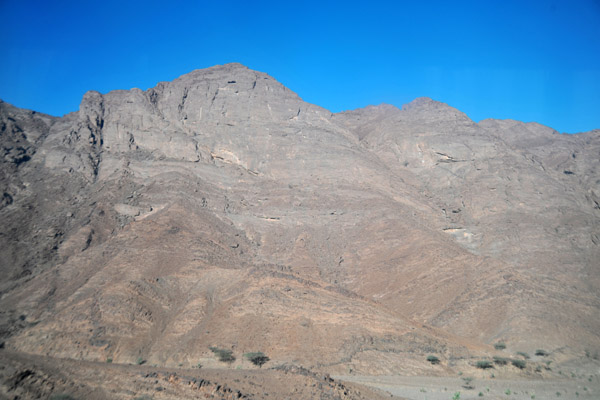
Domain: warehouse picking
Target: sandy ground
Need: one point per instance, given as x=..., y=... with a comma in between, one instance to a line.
x=444, y=388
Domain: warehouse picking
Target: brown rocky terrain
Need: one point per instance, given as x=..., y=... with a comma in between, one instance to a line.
x=35, y=377
x=221, y=210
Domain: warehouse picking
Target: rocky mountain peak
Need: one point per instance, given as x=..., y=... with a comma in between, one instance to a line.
x=429, y=109
x=204, y=112
x=380, y=108
x=424, y=103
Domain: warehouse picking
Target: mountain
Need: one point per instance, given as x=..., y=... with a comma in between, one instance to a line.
x=222, y=210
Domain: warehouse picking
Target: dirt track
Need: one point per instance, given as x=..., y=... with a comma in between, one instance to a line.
x=444, y=388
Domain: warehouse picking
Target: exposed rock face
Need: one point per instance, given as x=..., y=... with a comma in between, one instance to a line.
x=220, y=209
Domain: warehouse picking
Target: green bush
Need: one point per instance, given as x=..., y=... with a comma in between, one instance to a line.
x=433, y=359
x=499, y=346
x=468, y=383
x=541, y=352
x=518, y=363
x=257, y=358
x=484, y=364
x=140, y=361
x=523, y=354
x=223, y=355
x=501, y=360
x=62, y=396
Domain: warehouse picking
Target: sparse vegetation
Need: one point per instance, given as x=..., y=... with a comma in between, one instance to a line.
x=484, y=364
x=109, y=360
x=518, y=363
x=257, y=358
x=223, y=355
x=593, y=356
x=480, y=394
x=501, y=360
x=523, y=354
x=456, y=396
x=507, y=392
x=500, y=346
x=140, y=361
x=433, y=359
x=467, y=383
x=62, y=396
x=541, y=352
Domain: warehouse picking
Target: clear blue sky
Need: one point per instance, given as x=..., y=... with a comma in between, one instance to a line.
x=526, y=60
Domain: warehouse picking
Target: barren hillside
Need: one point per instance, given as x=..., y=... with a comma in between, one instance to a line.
x=222, y=210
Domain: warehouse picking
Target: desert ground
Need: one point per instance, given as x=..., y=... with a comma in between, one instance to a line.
x=24, y=376
x=445, y=388
x=37, y=377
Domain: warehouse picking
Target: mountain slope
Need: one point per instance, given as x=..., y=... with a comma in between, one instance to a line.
x=221, y=210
